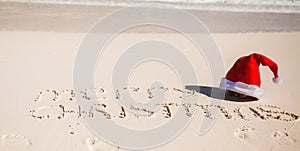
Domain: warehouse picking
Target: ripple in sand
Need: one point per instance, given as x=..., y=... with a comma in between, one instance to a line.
x=282, y=137
x=95, y=144
x=243, y=132
x=8, y=140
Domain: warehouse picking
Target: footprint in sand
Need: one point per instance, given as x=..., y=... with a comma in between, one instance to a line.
x=282, y=137
x=9, y=140
x=243, y=132
x=95, y=144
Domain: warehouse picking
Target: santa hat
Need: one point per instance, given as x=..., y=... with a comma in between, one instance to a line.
x=244, y=76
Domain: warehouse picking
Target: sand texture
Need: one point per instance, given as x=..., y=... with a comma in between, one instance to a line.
x=39, y=108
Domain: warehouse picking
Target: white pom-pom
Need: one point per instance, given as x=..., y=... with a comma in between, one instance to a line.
x=278, y=80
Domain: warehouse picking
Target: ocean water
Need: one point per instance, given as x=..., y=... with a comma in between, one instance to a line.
x=276, y=6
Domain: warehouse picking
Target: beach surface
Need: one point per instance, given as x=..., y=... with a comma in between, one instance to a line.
x=39, y=110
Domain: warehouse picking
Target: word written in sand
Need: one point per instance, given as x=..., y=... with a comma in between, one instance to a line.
x=263, y=112
x=95, y=94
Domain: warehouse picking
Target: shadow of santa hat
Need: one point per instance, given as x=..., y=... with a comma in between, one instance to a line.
x=244, y=75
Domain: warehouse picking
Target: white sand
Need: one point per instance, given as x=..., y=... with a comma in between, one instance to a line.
x=34, y=61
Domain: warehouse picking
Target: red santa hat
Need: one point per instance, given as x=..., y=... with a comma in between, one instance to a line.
x=244, y=76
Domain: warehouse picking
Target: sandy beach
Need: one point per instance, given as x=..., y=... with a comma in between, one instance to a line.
x=38, y=106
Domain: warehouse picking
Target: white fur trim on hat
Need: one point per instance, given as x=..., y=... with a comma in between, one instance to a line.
x=243, y=88
x=278, y=80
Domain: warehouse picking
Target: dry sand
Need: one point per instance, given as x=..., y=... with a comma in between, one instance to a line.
x=42, y=61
